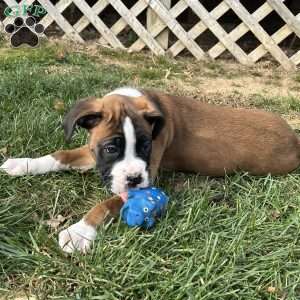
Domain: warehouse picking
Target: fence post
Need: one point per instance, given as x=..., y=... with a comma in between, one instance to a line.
x=153, y=20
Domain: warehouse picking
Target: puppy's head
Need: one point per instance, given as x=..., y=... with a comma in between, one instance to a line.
x=121, y=131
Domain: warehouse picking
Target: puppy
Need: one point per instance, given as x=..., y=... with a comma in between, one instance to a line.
x=132, y=133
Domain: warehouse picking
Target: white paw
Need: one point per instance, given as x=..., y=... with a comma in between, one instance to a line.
x=16, y=166
x=78, y=236
x=33, y=166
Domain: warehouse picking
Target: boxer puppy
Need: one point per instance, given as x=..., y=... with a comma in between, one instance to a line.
x=134, y=132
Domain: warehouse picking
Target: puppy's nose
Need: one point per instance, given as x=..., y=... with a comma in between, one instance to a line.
x=134, y=180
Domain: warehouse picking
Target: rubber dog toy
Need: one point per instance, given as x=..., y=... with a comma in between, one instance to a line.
x=143, y=206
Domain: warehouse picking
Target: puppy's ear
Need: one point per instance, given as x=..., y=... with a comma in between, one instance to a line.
x=152, y=113
x=85, y=113
x=156, y=120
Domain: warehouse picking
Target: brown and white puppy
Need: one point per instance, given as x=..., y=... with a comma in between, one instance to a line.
x=134, y=132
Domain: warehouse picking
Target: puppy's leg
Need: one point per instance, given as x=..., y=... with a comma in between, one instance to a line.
x=80, y=158
x=80, y=235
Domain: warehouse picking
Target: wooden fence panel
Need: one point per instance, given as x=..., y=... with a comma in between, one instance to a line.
x=131, y=20
x=199, y=28
x=240, y=30
x=153, y=21
x=218, y=31
x=175, y=11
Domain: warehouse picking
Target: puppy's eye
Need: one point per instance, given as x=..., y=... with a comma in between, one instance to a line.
x=111, y=149
x=147, y=145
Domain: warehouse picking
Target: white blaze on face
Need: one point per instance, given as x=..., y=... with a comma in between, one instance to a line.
x=130, y=165
x=126, y=91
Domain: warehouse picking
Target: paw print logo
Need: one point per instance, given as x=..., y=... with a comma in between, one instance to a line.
x=24, y=32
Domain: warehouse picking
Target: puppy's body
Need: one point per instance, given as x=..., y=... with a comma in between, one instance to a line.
x=214, y=140
x=134, y=132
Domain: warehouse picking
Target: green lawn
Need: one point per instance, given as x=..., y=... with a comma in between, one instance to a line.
x=242, y=245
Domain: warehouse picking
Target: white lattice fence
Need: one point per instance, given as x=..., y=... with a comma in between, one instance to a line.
x=164, y=33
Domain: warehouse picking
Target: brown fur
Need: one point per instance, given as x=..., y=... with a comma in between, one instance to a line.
x=214, y=140
x=197, y=137
x=103, y=211
x=77, y=158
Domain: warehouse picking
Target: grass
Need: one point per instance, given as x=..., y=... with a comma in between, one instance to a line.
x=242, y=245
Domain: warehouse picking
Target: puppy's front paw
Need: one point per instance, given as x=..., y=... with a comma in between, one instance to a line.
x=16, y=166
x=78, y=236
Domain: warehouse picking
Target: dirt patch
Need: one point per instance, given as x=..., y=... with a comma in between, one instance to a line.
x=232, y=79
x=224, y=77
x=233, y=89
x=246, y=86
x=222, y=82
